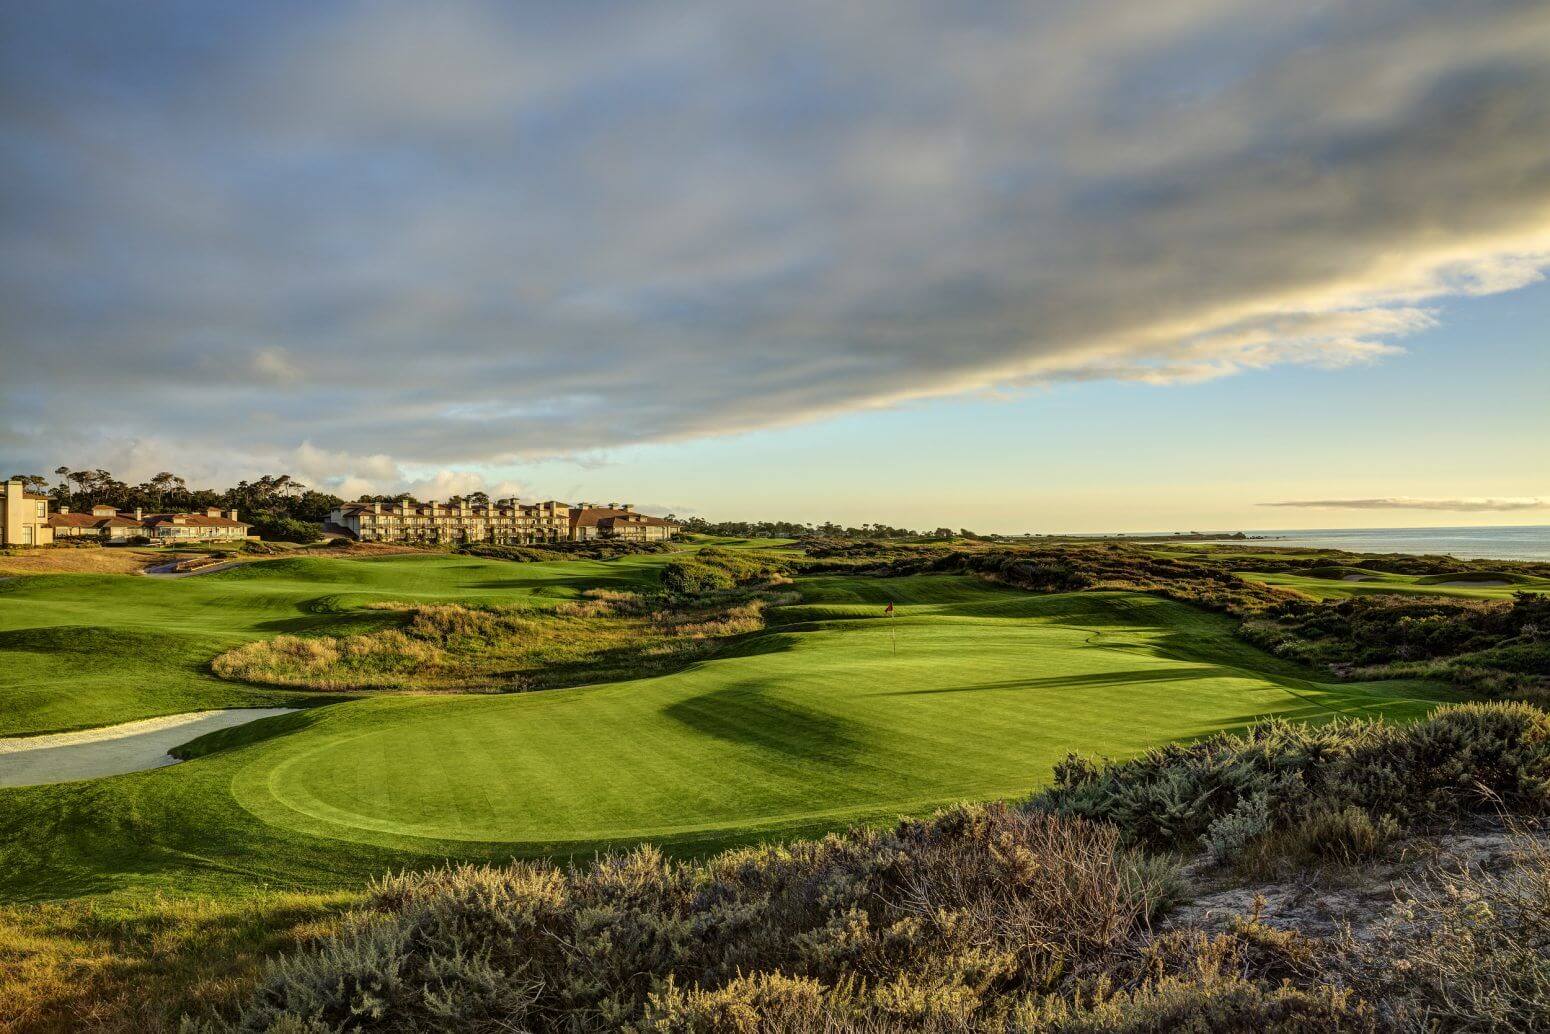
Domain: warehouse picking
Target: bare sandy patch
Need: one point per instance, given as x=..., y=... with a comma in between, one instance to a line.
x=64, y=757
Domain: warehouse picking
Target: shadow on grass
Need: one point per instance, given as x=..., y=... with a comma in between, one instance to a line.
x=745, y=715
x=257, y=731
x=1100, y=678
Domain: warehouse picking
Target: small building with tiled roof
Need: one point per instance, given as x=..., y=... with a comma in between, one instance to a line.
x=618, y=522
x=102, y=522
x=110, y=525
x=210, y=526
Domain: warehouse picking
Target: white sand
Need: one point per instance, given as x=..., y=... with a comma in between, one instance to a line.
x=115, y=749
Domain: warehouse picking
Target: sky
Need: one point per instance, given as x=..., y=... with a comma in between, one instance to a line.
x=1014, y=267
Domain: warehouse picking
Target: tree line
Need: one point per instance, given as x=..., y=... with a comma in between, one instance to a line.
x=278, y=506
x=808, y=530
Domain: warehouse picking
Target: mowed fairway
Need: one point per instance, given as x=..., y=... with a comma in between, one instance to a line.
x=85, y=650
x=971, y=691
x=835, y=715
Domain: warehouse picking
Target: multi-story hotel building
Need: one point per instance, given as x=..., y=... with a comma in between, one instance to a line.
x=503, y=522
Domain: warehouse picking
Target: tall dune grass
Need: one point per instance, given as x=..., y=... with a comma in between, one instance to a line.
x=606, y=634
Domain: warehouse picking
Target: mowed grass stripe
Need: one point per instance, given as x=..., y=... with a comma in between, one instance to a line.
x=835, y=715
x=841, y=719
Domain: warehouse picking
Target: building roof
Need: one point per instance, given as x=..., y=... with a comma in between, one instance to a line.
x=594, y=516
x=90, y=520
x=191, y=520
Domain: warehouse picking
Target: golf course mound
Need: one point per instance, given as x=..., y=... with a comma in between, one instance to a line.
x=974, y=692
x=833, y=714
x=1341, y=573
x=1477, y=579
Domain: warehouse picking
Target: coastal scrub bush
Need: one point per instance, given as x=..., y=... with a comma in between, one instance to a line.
x=590, y=549
x=1068, y=568
x=1470, y=950
x=1277, y=775
x=717, y=570
x=1494, y=646
x=605, y=634
x=934, y=923
x=277, y=527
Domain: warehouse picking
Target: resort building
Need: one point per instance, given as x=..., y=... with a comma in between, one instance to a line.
x=210, y=526
x=613, y=521
x=23, y=516
x=109, y=525
x=503, y=522
x=101, y=522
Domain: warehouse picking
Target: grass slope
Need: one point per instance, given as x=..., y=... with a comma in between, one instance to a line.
x=1331, y=583
x=81, y=650
x=835, y=716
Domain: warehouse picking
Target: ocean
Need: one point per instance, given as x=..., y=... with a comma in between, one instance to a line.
x=1526, y=542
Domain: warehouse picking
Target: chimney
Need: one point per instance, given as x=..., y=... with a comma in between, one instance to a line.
x=214, y=511
x=376, y=507
x=231, y=514
x=139, y=514
x=628, y=507
x=64, y=509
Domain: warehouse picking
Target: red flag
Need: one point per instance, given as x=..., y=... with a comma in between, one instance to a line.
x=889, y=611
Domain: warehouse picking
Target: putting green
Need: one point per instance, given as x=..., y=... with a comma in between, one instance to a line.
x=971, y=691
x=835, y=715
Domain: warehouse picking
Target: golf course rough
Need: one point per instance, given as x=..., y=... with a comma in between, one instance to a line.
x=835, y=715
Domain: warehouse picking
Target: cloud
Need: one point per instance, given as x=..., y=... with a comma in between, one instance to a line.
x=274, y=364
x=442, y=236
x=445, y=483
x=1467, y=505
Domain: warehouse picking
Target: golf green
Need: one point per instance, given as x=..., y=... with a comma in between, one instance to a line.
x=837, y=714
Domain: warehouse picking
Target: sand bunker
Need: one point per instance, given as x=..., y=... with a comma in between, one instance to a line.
x=115, y=749
x=1358, y=578
x=1470, y=585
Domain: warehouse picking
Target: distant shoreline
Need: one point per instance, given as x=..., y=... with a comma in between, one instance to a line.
x=1501, y=542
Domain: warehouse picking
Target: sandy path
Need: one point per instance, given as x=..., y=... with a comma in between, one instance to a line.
x=165, y=570
x=115, y=749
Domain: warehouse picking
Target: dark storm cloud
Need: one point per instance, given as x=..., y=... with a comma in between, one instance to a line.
x=459, y=232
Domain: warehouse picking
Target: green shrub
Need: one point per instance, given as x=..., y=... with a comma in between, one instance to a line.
x=693, y=578
x=1227, y=836
x=716, y=570
x=277, y=527
x=1450, y=763
x=1347, y=835
x=1488, y=645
